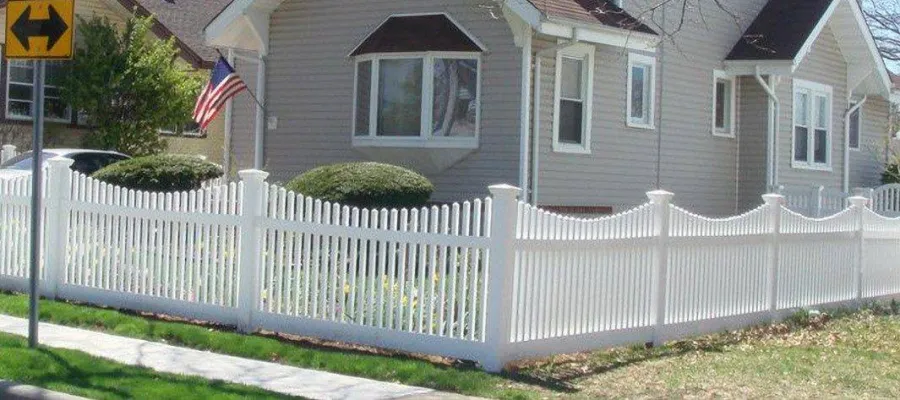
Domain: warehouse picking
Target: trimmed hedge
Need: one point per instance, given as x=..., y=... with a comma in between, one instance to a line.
x=160, y=173
x=366, y=184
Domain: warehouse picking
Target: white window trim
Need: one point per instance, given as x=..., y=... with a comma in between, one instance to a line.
x=199, y=133
x=814, y=89
x=13, y=117
x=425, y=138
x=730, y=131
x=634, y=59
x=859, y=123
x=584, y=52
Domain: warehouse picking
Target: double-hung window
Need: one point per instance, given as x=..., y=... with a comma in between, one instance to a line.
x=812, y=125
x=854, y=127
x=641, y=91
x=20, y=92
x=573, y=99
x=723, y=104
x=417, y=84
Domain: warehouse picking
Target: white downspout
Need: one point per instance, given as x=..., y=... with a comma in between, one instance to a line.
x=851, y=110
x=524, y=123
x=773, y=131
x=260, y=131
x=536, y=122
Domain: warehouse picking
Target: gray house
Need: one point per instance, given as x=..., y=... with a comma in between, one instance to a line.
x=586, y=104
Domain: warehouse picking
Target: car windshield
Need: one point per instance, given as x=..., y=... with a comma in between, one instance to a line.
x=22, y=161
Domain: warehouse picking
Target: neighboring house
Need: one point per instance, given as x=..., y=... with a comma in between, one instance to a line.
x=584, y=105
x=181, y=19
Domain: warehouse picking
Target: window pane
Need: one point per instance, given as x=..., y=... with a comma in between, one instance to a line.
x=19, y=108
x=821, y=150
x=821, y=112
x=571, y=78
x=53, y=72
x=20, y=92
x=801, y=109
x=55, y=109
x=801, y=145
x=722, y=101
x=363, y=97
x=455, y=103
x=571, y=118
x=854, y=129
x=637, y=92
x=20, y=74
x=400, y=97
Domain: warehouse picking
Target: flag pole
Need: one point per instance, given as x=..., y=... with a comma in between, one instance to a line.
x=250, y=92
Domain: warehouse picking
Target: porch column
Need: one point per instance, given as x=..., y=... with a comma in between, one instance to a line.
x=260, y=131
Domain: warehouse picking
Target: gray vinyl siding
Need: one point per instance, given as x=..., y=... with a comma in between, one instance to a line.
x=867, y=163
x=753, y=131
x=699, y=168
x=310, y=89
x=243, y=119
x=622, y=165
x=825, y=65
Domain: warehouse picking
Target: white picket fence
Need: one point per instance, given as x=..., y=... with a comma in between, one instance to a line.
x=491, y=280
x=814, y=201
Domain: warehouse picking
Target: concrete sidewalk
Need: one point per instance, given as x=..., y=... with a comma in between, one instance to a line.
x=15, y=391
x=269, y=376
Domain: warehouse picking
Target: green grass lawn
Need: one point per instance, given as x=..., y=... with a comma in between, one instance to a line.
x=849, y=355
x=80, y=374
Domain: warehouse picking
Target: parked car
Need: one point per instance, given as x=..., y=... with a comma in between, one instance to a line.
x=85, y=161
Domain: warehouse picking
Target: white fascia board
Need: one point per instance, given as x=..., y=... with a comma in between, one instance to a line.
x=614, y=37
x=749, y=67
x=884, y=76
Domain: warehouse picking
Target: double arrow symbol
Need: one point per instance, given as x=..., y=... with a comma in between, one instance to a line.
x=53, y=28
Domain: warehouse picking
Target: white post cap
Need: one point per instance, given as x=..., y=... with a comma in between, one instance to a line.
x=773, y=198
x=660, y=196
x=504, y=190
x=8, y=147
x=60, y=162
x=253, y=175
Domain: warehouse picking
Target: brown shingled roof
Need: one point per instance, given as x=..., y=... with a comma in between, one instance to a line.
x=185, y=20
x=592, y=11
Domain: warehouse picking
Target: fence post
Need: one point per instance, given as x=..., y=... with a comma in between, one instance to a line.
x=774, y=202
x=9, y=151
x=859, y=204
x=252, y=208
x=498, y=316
x=59, y=192
x=815, y=202
x=660, y=199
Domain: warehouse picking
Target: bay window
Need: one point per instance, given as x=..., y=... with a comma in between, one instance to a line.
x=20, y=91
x=812, y=125
x=428, y=96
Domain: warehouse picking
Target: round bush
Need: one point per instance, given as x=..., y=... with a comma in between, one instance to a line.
x=160, y=173
x=366, y=184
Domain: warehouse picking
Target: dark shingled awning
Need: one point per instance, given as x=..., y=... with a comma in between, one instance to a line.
x=780, y=30
x=415, y=34
x=592, y=11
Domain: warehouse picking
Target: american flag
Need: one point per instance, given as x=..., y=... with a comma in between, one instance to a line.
x=223, y=84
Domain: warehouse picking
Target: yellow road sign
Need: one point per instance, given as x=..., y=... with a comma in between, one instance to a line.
x=39, y=29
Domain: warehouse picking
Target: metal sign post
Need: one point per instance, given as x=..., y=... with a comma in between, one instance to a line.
x=38, y=30
x=37, y=174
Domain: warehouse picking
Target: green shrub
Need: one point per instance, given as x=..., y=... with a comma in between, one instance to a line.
x=160, y=173
x=366, y=184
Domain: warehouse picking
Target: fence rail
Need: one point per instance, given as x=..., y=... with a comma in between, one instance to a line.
x=491, y=280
